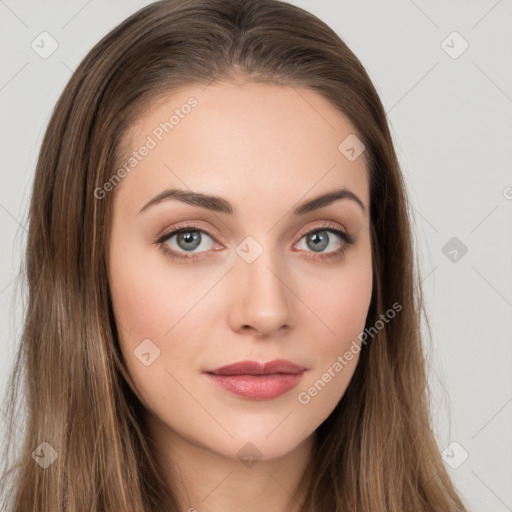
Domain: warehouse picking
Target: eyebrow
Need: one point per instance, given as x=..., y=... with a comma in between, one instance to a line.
x=218, y=204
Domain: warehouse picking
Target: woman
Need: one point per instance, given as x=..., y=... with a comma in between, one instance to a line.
x=224, y=310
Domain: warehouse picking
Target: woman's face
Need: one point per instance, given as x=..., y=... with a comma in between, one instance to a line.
x=244, y=281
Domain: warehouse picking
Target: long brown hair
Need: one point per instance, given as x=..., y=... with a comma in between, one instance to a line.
x=376, y=451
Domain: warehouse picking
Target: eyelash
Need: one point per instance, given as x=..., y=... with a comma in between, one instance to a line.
x=348, y=241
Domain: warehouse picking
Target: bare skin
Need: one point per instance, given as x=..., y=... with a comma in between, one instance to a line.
x=266, y=149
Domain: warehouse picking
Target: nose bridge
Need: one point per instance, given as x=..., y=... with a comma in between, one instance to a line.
x=262, y=297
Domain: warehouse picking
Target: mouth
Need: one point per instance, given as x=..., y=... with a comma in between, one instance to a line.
x=257, y=381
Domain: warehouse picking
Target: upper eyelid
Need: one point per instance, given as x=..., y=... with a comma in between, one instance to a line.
x=328, y=226
x=167, y=233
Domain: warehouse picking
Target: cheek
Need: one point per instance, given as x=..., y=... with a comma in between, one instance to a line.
x=143, y=311
x=163, y=304
x=341, y=306
x=338, y=302
x=138, y=300
x=148, y=298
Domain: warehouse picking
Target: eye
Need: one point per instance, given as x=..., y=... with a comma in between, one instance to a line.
x=182, y=243
x=325, y=237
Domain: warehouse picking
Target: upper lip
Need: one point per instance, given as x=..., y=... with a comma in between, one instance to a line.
x=256, y=368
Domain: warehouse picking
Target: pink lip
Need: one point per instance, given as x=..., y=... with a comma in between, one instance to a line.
x=258, y=381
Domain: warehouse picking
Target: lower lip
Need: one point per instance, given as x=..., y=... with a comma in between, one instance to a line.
x=254, y=387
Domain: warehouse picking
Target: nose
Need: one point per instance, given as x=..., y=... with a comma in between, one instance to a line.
x=260, y=297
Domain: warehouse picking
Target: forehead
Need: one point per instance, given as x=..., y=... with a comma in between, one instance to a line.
x=249, y=140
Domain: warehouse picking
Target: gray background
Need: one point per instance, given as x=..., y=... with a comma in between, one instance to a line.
x=451, y=119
